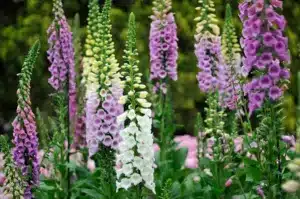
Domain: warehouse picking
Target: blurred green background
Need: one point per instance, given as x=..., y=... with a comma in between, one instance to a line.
x=23, y=21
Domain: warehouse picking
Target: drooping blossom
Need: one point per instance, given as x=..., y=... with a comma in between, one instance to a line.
x=103, y=84
x=208, y=49
x=80, y=136
x=163, y=45
x=265, y=49
x=135, y=155
x=290, y=140
x=25, y=152
x=61, y=56
x=260, y=191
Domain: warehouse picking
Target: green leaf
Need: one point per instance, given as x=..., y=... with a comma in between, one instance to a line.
x=92, y=193
x=45, y=187
x=179, y=157
x=249, y=162
x=176, y=189
x=204, y=162
x=253, y=174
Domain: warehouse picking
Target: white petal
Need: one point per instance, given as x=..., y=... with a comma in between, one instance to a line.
x=136, y=178
x=125, y=183
x=121, y=118
x=131, y=114
x=127, y=169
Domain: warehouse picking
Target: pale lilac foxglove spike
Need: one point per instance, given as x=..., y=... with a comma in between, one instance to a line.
x=163, y=45
x=103, y=84
x=208, y=50
x=210, y=62
x=230, y=95
x=61, y=56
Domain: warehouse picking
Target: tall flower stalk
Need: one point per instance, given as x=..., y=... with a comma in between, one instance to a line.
x=135, y=158
x=266, y=53
x=216, y=63
x=25, y=135
x=79, y=127
x=163, y=45
x=163, y=60
x=61, y=57
x=209, y=56
x=103, y=86
x=63, y=80
x=230, y=96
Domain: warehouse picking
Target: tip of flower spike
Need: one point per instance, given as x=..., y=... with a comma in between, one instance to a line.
x=58, y=10
x=228, y=14
x=36, y=46
x=106, y=10
x=33, y=52
x=131, y=31
x=107, y=4
x=131, y=17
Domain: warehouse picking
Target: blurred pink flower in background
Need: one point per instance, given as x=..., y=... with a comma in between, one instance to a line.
x=228, y=183
x=91, y=165
x=45, y=172
x=189, y=142
x=2, y=179
x=156, y=147
x=238, y=144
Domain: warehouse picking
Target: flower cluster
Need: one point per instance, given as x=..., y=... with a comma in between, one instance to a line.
x=208, y=49
x=61, y=56
x=265, y=48
x=90, y=65
x=103, y=84
x=229, y=96
x=135, y=155
x=11, y=180
x=230, y=47
x=213, y=142
x=25, y=135
x=163, y=44
x=101, y=123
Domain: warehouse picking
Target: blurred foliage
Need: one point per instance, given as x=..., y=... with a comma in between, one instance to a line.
x=22, y=22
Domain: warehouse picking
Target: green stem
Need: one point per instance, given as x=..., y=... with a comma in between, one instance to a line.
x=241, y=187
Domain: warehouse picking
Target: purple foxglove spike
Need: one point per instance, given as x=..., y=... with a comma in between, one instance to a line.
x=266, y=50
x=61, y=56
x=163, y=46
